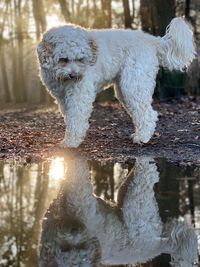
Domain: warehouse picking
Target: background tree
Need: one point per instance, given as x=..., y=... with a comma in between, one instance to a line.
x=127, y=14
x=6, y=89
x=156, y=14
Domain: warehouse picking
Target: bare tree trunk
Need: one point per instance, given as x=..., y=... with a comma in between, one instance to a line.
x=164, y=12
x=19, y=82
x=65, y=10
x=133, y=10
x=127, y=14
x=107, y=14
x=7, y=96
x=39, y=16
x=72, y=7
x=187, y=9
x=87, y=12
x=94, y=6
x=146, y=15
x=156, y=15
x=40, y=24
x=78, y=8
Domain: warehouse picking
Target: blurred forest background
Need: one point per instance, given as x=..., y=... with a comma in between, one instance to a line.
x=22, y=23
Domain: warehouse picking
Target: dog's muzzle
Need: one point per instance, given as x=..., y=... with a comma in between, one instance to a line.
x=62, y=76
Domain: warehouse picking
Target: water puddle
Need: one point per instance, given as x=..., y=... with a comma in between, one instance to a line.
x=74, y=212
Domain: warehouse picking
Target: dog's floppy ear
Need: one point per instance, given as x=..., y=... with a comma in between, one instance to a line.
x=40, y=51
x=44, y=51
x=94, y=49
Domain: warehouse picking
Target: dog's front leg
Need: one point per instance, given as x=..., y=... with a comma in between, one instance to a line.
x=76, y=109
x=136, y=205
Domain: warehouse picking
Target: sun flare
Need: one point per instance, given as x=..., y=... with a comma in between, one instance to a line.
x=56, y=171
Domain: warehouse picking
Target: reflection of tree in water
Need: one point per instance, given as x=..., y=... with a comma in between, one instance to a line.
x=102, y=178
x=22, y=207
x=175, y=190
x=107, y=177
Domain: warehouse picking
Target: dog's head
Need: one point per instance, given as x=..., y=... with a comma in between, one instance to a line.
x=65, y=241
x=66, y=51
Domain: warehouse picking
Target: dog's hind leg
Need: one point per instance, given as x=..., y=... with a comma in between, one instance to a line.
x=76, y=110
x=135, y=90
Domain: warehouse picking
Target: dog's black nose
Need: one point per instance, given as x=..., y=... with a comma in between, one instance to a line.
x=72, y=75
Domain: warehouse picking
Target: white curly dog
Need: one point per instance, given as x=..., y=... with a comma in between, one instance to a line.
x=78, y=63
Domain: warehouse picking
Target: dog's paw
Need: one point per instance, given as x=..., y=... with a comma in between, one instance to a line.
x=66, y=143
x=139, y=139
x=136, y=139
x=62, y=144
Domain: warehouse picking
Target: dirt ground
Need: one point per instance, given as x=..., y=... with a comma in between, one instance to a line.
x=30, y=134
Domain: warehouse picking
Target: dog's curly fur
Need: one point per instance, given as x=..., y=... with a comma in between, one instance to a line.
x=77, y=63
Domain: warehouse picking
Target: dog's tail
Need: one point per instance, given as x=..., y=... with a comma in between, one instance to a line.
x=177, y=48
x=182, y=243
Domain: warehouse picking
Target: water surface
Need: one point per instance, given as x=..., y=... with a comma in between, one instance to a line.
x=125, y=213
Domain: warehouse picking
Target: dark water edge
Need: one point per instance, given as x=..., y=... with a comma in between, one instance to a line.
x=26, y=191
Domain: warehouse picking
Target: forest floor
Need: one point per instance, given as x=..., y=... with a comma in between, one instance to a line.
x=31, y=134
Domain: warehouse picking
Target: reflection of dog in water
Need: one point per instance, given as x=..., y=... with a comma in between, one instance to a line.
x=80, y=229
x=77, y=63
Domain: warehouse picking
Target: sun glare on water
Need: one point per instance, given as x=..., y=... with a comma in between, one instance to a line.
x=57, y=171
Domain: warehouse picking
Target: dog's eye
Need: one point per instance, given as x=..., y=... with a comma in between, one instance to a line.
x=63, y=60
x=81, y=60
x=65, y=247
